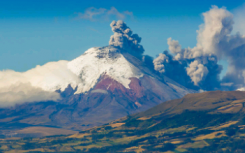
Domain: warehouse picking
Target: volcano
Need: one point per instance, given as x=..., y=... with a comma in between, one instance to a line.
x=110, y=82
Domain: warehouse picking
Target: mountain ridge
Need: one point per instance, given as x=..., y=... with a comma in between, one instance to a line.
x=197, y=123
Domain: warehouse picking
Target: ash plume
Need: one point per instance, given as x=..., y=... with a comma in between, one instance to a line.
x=215, y=42
x=124, y=38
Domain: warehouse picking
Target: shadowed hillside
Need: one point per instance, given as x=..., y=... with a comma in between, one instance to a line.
x=209, y=101
x=202, y=122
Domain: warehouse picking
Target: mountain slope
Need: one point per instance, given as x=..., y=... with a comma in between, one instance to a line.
x=203, y=122
x=111, y=84
x=101, y=85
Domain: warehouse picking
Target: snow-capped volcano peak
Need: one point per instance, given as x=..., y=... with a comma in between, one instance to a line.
x=109, y=83
x=96, y=62
x=118, y=66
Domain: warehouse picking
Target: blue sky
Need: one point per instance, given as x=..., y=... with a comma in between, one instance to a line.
x=34, y=32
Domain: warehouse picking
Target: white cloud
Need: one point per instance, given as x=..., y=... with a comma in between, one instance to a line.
x=94, y=14
x=217, y=26
x=24, y=92
x=37, y=84
x=52, y=76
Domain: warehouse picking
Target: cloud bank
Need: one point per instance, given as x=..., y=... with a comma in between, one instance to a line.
x=94, y=14
x=215, y=41
x=24, y=92
x=34, y=85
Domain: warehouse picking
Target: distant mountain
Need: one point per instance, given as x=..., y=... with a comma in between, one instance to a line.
x=112, y=84
x=209, y=122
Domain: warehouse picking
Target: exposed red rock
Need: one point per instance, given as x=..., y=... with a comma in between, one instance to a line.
x=134, y=91
x=136, y=87
x=107, y=83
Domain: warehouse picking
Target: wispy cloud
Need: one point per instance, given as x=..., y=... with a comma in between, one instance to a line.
x=98, y=14
x=95, y=30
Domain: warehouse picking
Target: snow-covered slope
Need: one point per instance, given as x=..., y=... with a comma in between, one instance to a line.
x=96, y=62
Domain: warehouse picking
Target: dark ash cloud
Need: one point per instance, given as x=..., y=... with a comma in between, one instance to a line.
x=124, y=38
x=215, y=42
x=166, y=65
